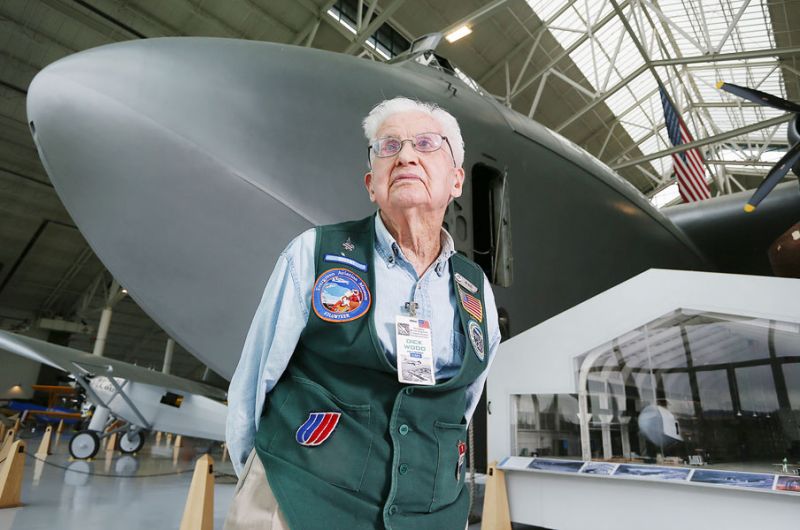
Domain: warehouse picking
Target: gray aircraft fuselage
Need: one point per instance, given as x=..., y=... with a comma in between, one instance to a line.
x=189, y=164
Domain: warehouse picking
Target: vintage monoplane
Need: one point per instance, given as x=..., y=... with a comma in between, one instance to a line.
x=145, y=400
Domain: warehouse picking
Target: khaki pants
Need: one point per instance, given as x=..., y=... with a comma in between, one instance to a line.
x=254, y=506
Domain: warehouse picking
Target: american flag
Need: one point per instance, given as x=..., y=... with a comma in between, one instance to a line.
x=688, y=165
x=472, y=305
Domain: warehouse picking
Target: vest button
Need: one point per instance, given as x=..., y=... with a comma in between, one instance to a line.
x=403, y=469
x=392, y=509
x=409, y=391
x=403, y=429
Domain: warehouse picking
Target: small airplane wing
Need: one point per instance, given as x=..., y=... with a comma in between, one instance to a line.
x=77, y=362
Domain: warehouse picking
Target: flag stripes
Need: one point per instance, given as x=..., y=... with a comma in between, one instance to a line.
x=688, y=165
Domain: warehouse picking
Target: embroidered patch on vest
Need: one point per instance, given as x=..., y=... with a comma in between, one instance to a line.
x=333, y=258
x=466, y=284
x=476, y=338
x=340, y=296
x=462, y=453
x=471, y=304
x=317, y=428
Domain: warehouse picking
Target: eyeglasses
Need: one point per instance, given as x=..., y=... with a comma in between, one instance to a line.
x=422, y=143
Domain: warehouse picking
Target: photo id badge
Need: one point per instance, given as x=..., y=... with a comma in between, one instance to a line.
x=414, y=351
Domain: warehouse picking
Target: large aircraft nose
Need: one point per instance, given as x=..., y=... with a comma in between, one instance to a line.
x=175, y=155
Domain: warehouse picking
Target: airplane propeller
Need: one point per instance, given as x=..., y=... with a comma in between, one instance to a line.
x=791, y=160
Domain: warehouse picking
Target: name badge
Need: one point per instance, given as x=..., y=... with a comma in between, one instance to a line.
x=414, y=351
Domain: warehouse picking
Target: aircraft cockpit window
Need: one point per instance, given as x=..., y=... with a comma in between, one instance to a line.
x=171, y=399
x=491, y=224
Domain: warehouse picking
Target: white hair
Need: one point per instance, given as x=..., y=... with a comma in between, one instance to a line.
x=389, y=107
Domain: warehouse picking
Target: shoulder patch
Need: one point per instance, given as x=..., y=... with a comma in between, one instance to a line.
x=340, y=295
x=476, y=338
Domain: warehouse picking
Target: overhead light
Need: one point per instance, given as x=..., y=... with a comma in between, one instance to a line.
x=454, y=35
x=124, y=291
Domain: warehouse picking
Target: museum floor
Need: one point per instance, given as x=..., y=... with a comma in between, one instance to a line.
x=121, y=492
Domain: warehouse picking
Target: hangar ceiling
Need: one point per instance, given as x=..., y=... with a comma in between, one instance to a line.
x=585, y=68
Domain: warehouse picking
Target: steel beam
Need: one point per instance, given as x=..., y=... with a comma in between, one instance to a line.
x=724, y=57
x=707, y=141
x=366, y=33
x=524, y=43
x=593, y=30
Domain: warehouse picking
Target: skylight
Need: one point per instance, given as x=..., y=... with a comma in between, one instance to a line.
x=679, y=29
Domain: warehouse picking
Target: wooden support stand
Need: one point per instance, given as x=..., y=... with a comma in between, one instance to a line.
x=8, y=441
x=199, y=511
x=111, y=445
x=224, y=451
x=158, y=438
x=44, y=446
x=2, y=431
x=179, y=441
x=60, y=426
x=11, y=472
x=495, y=501
x=169, y=439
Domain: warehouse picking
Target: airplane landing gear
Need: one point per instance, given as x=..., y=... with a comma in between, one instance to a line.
x=131, y=442
x=84, y=444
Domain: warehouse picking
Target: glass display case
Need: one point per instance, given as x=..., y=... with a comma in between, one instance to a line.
x=693, y=389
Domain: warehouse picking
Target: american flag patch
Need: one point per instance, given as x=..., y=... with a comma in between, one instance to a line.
x=471, y=304
x=317, y=428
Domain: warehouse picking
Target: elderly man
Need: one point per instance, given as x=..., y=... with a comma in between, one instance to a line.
x=368, y=353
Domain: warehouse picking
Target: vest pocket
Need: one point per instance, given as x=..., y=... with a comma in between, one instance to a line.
x=341, y=459
x=451, y=440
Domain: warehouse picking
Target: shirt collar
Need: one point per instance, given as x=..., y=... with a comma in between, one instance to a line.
x=390, y=251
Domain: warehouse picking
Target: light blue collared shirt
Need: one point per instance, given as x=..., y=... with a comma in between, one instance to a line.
x=283, y=312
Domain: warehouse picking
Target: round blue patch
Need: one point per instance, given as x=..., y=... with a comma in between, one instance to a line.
x=340, y=296
x=476, y=338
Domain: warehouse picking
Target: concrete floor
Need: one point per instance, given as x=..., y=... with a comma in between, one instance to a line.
x=119, y=492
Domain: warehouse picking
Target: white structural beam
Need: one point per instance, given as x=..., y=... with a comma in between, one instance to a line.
x=707, y=141
x=366, y=33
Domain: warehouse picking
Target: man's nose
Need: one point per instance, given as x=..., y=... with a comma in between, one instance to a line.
x=407, y=154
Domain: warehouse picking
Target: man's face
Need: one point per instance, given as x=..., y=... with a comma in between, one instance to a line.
x=411, y=179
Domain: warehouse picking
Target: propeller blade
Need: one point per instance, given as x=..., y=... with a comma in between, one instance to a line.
x=756, y=96
x=774, y=176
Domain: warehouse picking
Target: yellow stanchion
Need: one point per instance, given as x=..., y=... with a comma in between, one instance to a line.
x=44, y=445
x=199, y=511
x=495, y=501
x=11, y=472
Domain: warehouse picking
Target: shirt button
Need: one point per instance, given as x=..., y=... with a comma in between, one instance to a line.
x=403, y=429
x=392, y=509
x=403, y=469
x=409, y=391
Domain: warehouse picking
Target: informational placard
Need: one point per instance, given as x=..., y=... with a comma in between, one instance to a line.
x=674, y=474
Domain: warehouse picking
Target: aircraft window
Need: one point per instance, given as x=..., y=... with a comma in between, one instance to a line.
x=173, y=400
x=491, y=224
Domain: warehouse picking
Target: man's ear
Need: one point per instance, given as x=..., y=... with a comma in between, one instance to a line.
x=368, y=185
x=458, y=184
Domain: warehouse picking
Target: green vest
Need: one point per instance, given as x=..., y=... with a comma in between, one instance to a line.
x=395, y=458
